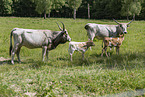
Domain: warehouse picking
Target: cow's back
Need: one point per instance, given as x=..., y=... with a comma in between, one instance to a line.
x=100, y=30
x=31, y=38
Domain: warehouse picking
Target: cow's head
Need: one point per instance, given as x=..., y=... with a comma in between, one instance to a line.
x=123, y=26
x=64, y=33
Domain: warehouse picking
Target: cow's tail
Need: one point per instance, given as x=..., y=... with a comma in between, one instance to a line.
x=10, y=49
x=86, y=26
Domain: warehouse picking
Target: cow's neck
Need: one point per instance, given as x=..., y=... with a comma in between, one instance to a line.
x=57, y=40
x=119, y=30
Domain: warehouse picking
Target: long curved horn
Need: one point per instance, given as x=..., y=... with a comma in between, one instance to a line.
x=116, y=21
x=63, y=26
x=59, y=27
x=130, y=21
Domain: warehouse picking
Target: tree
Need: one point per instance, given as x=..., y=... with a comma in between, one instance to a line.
x=88, y=7
x=131, y=7
x=135, y=8
x=74, y=4
x=45, y=6
x=57, y=5
x=24, y=8
x=5, y=7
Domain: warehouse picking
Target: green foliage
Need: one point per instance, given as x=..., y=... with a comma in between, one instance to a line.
x=46, y=6
x=135, y=8
x=131, y=7
x=58, y=4
x=43, y=6
x=5, y=7
x=24, y=7
x=100, y=9
x=106, y=8
x=74, y=4
x=95, y=76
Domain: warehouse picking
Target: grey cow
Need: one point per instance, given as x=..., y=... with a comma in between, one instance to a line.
x=100, y=31
x=45, y=39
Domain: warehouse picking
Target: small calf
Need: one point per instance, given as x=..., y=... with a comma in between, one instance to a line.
x=79, y=46
x=112, y=42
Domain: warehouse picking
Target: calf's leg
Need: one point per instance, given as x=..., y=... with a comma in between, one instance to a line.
x=71, y=51
x=117, y=50
x=104, y=49
x=102, y=52
x=70, y=57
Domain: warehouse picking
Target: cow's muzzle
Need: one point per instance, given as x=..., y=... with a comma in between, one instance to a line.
x=69, y=39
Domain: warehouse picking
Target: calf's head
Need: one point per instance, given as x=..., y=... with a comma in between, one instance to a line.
x=90, y=43
x=121, y=35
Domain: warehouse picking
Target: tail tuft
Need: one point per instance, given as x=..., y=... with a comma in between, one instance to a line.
x=10, y=49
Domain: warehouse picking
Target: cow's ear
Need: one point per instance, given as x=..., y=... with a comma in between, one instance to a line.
x=128, y=25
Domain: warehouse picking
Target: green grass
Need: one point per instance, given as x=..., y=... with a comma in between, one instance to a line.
x=95, y=76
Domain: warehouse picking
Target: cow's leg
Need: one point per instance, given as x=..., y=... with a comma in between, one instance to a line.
x=47, y=51
x=18, y=54
x=12, y=55
x=44, y=48
x=14, y=50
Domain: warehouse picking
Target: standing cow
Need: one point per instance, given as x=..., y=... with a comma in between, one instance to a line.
x=45, y=39
x=100, y=31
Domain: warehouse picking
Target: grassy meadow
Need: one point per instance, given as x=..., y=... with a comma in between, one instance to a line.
x=95, y=76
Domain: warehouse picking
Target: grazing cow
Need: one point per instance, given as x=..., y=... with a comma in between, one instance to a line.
x=100, y=31
x=79, y=46
x=112, y=42
x=45, y=39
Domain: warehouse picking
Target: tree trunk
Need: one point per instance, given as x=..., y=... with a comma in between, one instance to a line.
x=88, y=11
x=49, y=15
x=74, y=13
x=44, y=14
x=127, y=14
x=134, y=17
x=127, y=18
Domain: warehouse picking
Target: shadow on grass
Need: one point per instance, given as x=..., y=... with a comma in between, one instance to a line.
x=128, y=60
x=123, y=61
x=5, y=60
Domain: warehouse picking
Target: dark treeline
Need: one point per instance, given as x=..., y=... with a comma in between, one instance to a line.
x=94, y=9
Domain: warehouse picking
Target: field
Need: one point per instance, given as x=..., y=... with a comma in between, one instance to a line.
x=95, y=76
